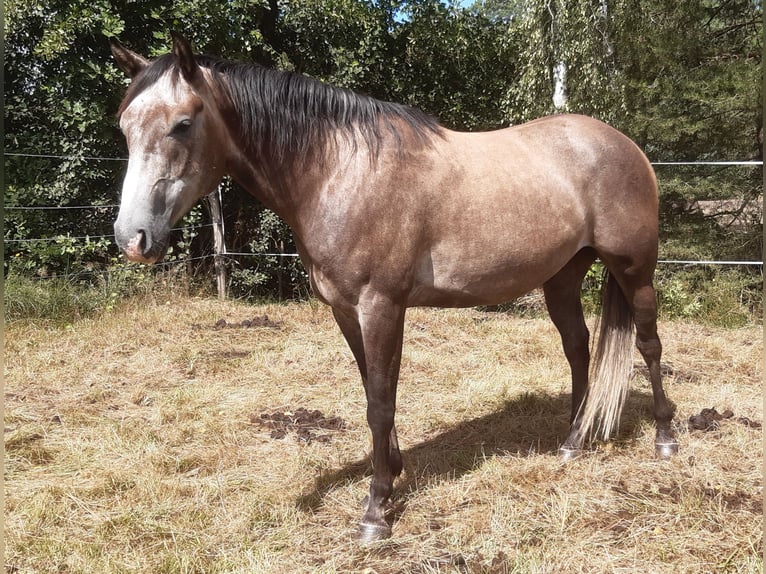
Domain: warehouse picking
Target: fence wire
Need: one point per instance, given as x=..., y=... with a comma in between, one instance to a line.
x=749, y=162
x=734, y=163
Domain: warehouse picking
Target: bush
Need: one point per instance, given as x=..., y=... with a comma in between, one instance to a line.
x=723, y=297
x=59, y=300
x=269, y=274
x=708, y=294
x=64, y=300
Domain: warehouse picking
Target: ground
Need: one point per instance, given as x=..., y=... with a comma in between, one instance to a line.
x=192, y=435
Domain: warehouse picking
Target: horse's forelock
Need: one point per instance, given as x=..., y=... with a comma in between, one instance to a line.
x=148, y=77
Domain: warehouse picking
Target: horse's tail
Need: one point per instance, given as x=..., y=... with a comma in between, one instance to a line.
x=611, y=365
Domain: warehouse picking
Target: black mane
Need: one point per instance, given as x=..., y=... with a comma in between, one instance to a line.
x=286, y=114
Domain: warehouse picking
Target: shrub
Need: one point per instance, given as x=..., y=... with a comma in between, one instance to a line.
x=64, y=300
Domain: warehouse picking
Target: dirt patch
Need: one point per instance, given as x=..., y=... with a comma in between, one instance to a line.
x=710, y=419
x=262, y=322
x=305, y=424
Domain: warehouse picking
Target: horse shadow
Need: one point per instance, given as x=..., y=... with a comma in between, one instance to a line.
x=531, y=423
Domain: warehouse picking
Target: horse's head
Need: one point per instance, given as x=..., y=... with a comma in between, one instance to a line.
x=177, y=145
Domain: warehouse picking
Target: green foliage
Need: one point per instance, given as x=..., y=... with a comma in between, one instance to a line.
x=706, y=294
x=340, y=41
x=592, y=287
x=692, y=69
x=726, y=298
x=269, y=273
x=682, y=78
x=455, y=64
x=63, y=300
x=578, y=35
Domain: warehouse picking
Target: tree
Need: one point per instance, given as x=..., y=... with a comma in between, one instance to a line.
x=59, y=96
x=692, y=91
x=453, y=63
x=681, y=77
x=691, y=68
x=567, y=55
x=62, y=91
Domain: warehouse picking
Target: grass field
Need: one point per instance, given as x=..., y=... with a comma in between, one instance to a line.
x=159, y=439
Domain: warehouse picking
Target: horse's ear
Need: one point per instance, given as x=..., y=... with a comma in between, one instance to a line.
x=127, y=60
x=183, y=51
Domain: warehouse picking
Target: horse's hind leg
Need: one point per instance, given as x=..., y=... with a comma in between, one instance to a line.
x=644, y=304
x=636, y=284
x=562, y=297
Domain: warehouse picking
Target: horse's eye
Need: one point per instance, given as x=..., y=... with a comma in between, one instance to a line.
x=181, y=127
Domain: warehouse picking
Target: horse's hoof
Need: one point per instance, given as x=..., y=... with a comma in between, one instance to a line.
x=665, y=450
x=369, y=533
x=567, y=453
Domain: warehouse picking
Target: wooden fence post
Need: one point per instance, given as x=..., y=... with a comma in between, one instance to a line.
x=219, y=246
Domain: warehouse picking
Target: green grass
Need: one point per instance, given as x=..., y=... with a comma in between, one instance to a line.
x=709, y=295
x=63, y=301
x=58, y=300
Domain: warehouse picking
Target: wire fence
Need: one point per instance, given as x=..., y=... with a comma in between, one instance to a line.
x=56, y=207
x=749, y=162
x=63, y=238
x=70, y=157
x=225, y=253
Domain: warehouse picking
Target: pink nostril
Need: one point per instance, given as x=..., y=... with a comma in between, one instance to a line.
x=136, y=246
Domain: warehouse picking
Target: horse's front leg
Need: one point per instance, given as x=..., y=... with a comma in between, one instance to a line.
x=379, y=324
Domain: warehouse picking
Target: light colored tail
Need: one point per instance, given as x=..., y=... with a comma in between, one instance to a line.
x=611, y=365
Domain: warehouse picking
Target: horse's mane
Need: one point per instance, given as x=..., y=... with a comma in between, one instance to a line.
x=284, y=114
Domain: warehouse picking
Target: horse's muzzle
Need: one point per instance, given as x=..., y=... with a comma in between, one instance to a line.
x=140, y=248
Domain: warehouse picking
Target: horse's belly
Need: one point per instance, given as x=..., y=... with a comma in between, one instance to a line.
x=466, y=282
x=451, y=295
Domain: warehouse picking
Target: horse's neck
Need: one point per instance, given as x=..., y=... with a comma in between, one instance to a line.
x=288, y=190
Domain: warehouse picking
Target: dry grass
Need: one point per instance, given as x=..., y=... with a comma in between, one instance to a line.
x=133, y=445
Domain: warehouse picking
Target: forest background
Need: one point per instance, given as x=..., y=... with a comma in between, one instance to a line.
x=681, y=77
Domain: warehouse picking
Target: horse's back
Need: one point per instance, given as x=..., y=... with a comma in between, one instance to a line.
x=572, y=146
x=553, y=172
x=519, y=203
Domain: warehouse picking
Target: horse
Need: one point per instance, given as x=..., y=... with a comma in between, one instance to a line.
x=391, y=210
